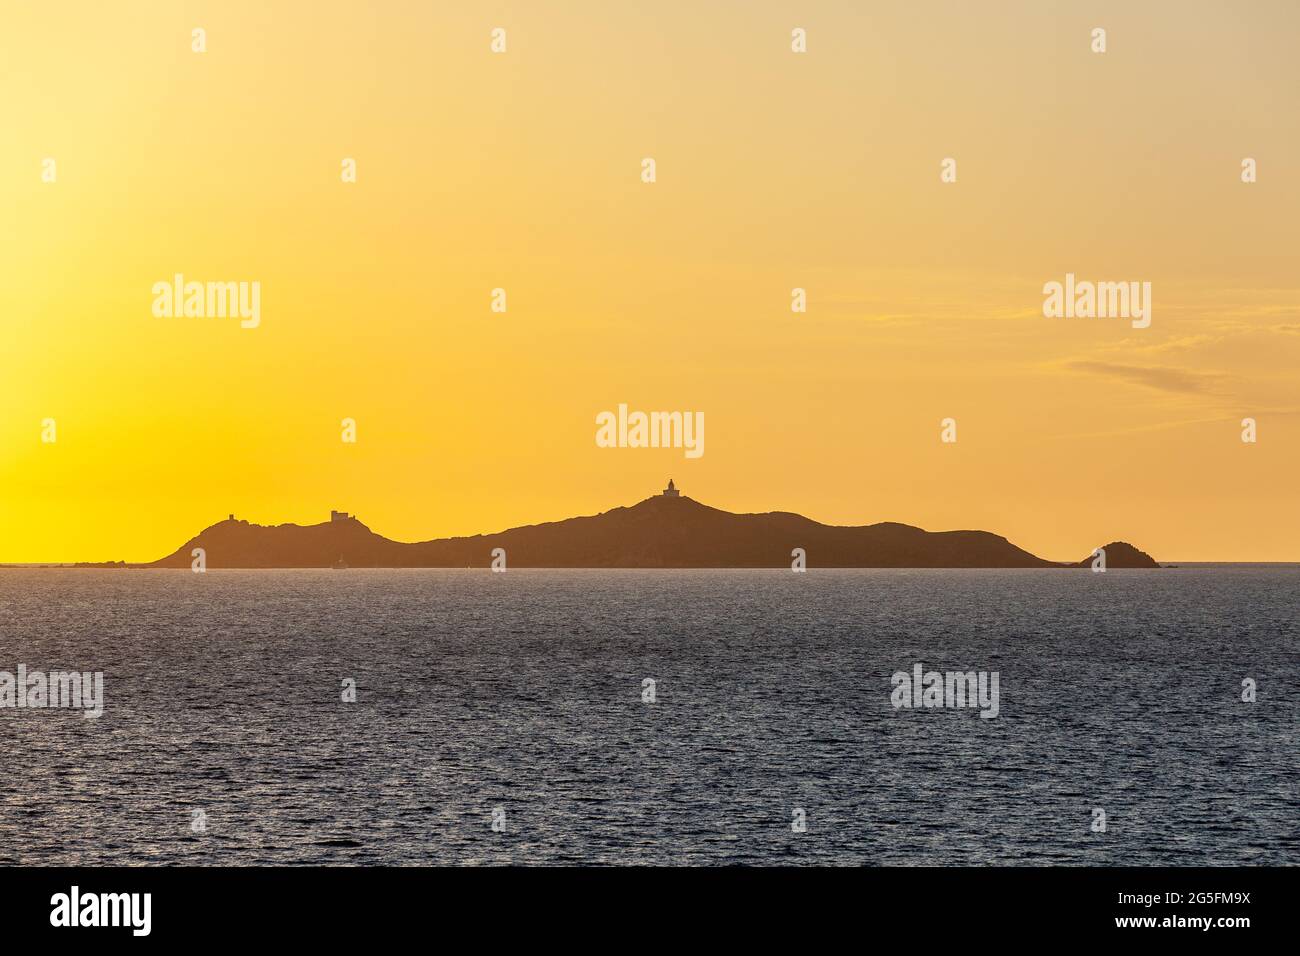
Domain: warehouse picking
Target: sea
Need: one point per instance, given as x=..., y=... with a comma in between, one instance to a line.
x=611, y=717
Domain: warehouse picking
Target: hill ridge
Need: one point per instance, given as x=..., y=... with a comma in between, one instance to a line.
x=658, y=532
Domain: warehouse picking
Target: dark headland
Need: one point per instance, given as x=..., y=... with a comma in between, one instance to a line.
x=666, y=531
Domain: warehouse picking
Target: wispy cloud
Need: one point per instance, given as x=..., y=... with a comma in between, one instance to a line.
x=1163, y=378
x=1142, y=429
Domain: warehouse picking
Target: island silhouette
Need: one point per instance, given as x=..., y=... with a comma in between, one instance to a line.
x=668, y=530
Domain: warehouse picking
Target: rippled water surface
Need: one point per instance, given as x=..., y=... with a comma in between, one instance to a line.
x=523, y=692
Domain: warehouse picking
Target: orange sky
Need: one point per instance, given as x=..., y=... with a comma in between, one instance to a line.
x=775, y=170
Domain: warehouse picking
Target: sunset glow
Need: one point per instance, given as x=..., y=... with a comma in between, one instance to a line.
x=774, y=171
